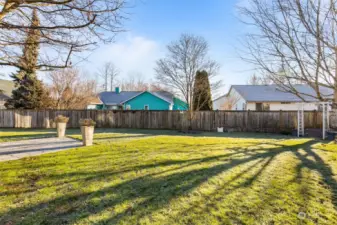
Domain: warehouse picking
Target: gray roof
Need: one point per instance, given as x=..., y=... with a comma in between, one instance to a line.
x=167, y=96
x=273, y=93
x=113, y=98
x=7, y=87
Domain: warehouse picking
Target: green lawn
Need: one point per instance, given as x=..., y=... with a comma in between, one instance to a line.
x=150, y=178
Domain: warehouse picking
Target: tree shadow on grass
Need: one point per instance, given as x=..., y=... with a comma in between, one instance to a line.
x=306, y=191
x=101, y=175
x=317, y=164
x=153, y=191
x=229, y=186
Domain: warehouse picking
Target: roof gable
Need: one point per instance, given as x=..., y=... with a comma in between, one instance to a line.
x=155, y=94
x=222, y=96
x=113, y=98
x=147, y=98
x=166, y=96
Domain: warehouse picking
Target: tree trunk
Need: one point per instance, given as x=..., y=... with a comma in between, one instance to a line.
x=111, y=83
x=334, y=103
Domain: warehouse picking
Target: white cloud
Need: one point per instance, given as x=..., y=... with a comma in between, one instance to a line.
x=133, y=55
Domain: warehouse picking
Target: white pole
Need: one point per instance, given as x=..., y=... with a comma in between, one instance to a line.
x=300, y=120
x=298, y=123
x=327, y=116
x=303, y=133
x=324, y=120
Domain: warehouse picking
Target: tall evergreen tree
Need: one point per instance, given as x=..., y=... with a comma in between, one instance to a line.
x=29, y=92
x=202, y=97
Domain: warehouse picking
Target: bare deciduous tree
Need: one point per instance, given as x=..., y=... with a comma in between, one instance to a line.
x=108, y=73
x=1, y=91
x=158, y=87
x=230, y=101
x=295, y=42
x=134, y=82
x=69, y=90
x=67, y=27
x=184, y=58
x=259, y=80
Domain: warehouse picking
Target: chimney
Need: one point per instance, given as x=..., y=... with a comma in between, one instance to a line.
x=117, y=90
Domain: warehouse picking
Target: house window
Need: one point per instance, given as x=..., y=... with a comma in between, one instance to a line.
x=112, y=107
x=262, y=106
x=266, y=107
x=146, y=107
x=243, y=106
x=258, y=106
x=128, y=107
x=320, y=107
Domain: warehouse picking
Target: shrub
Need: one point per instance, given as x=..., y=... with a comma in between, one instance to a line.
x=61, y=119
x=285, y=132
x=87, y=122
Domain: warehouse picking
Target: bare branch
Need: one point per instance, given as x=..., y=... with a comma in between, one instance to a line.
x=67, y=26
x=70, y=90
x=109, y=74
x=294, y=43
x=184, y=58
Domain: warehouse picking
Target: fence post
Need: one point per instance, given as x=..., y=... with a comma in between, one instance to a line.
x=315, y=119
x=281, y=125
x=246, y=120
x=333, y=119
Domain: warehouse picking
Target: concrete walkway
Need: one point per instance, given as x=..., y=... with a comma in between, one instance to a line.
x=32, y=147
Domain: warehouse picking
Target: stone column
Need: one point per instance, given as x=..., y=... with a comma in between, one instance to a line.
x=87, y=135
x=61, y=129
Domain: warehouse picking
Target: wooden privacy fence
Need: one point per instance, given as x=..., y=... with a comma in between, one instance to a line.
x=271, y=121
x=333, y=119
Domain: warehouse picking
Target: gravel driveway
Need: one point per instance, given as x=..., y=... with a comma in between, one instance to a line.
x=32, y=147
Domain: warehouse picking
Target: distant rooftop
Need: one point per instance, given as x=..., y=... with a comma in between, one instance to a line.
x=113, y=98
x=273, y=93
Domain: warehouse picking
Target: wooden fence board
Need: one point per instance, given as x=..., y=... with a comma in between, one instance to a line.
x=271, y=121
x=333, y=119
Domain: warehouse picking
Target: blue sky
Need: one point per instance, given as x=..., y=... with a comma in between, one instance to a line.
x=153, y=24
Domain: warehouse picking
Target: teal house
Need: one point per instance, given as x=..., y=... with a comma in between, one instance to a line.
x=139, y=100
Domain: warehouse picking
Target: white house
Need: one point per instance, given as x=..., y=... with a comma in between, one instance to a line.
x=268, y=98
x=6, y=87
